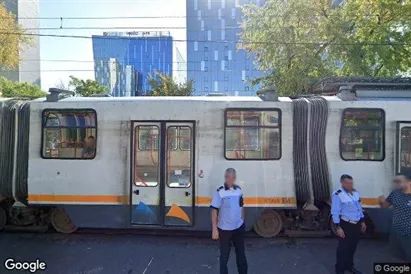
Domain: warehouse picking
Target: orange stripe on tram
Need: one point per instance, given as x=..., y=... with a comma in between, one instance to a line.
x=120, y=199
x=78, y=198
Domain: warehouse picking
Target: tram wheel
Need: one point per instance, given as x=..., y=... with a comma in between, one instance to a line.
x=61, y=221
x=3, y=218
x=269, y=224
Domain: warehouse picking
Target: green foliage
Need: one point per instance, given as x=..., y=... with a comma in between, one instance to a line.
x=86, y=88
x=12, y=39
x=300, y=41
x=163, y=85
x=11, y=89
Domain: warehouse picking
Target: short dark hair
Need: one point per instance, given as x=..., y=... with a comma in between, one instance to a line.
x=230, y=170
x=90, y=137
x=406, y=175
x=345, y=176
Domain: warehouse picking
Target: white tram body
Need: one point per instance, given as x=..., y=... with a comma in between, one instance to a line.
x=158, y=160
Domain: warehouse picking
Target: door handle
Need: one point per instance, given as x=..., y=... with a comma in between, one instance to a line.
x=187, y=193
x=137, y=192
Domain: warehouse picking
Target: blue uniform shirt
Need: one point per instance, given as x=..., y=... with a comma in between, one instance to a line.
x=346, y=205
x=229, y=203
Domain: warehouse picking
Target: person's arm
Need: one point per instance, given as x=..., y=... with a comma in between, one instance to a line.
x=336, y=209
x=215, y=206
x=362, y=220
x=242, y=207
x=386, y=202
x=214, y=217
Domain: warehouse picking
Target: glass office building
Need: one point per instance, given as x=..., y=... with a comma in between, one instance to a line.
x=213, y=60
x=27, y=16
x=123, y=62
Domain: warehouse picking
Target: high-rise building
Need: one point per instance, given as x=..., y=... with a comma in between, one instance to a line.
x=213, y=60
x=27, y=15
x=123, y=62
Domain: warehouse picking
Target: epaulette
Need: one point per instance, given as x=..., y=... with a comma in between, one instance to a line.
x=338, y=192
x=237, y=187
x=220, y=188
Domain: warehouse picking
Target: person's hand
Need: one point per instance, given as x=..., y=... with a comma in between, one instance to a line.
x=340, y=233
x=215, y=234
x=363, y=227
x=381, y=199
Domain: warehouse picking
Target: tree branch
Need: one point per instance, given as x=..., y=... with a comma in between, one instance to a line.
x=378, y=70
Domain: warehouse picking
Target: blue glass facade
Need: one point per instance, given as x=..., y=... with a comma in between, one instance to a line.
x=123, y=63
x=213, y=60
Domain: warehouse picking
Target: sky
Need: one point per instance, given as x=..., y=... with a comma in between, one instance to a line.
x=74, y=56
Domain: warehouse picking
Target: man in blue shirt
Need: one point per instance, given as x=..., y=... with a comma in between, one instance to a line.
x=348, y=216
x=227, y=218
x=400, y=201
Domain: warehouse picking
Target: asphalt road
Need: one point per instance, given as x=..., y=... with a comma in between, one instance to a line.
x=137, y=254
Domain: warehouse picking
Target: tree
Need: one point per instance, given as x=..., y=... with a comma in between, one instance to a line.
x=163, y=85
x=86, y=88
x=60, y=85
x=297, y=42
x=12, y=89
x=13, y=40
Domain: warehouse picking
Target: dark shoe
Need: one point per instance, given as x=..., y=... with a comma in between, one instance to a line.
x=354, y=271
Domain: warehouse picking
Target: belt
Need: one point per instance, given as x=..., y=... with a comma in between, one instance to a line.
x=348, y=220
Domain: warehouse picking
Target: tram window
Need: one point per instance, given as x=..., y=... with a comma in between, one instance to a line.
x=405, y=152
x=362, y=135
x=69, y=134
x=253, y=134
x=185, y=138
x=148, y=138
x=146, y=173
x=179, y=167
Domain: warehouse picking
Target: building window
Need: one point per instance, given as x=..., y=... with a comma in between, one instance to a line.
x=205, y=48
x=205, y=58
x=206, y=69
x=362, y=135
x=226, y=79
x=69, y=134
x=252, y=134
x=205, y=79
x=205, y=88
x=226, y=88
x=247, y=88
x=226, y=58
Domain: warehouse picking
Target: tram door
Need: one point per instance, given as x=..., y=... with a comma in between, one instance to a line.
x=162, y=185
x=403, y=150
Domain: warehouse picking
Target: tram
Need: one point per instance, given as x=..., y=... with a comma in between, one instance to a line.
x=155, y=162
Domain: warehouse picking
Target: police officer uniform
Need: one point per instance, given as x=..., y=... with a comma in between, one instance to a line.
x=231, y=227
x=347, y=214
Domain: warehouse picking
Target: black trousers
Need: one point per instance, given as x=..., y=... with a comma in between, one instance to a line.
x=236, y=237
x=347, y=246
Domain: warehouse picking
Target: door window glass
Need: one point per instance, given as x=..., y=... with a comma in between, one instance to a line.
x=178, y=164
x=147, y=156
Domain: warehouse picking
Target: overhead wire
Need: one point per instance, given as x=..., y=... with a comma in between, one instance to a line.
x=203, y=41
